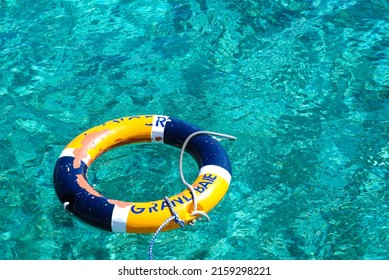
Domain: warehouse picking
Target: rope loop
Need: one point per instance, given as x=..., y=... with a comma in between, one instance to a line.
x=189, y=186
x=195, y=212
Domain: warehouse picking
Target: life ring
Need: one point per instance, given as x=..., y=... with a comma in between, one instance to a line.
x=80, y=198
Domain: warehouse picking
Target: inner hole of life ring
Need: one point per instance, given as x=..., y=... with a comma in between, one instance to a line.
x=141, y=172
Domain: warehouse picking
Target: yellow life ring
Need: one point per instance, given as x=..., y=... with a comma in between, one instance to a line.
x=79, y=197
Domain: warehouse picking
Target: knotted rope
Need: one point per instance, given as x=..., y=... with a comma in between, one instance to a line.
x=195, y=212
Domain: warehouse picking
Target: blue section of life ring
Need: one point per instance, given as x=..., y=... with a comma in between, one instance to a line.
x=204, y=149
x=96, y=210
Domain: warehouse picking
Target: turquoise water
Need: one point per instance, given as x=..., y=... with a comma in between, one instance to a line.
x=304, y=85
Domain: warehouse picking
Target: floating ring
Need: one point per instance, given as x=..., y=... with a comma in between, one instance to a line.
x=80, y=198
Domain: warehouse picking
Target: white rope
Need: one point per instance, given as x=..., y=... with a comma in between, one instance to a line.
x=195, y=211
x=195, y=201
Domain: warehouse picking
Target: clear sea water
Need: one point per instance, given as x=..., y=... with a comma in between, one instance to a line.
x=304, y=85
